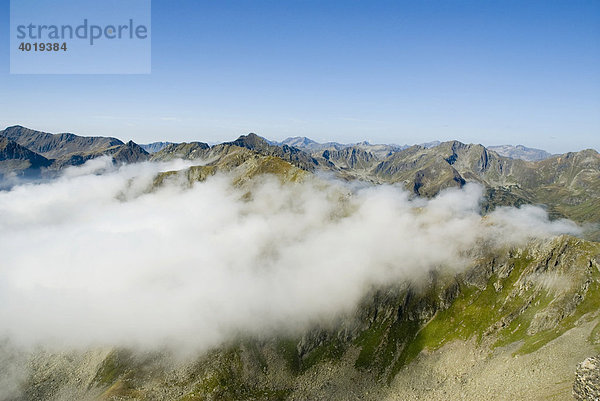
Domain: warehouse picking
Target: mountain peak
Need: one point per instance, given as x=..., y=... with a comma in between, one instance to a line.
x=298, y=141
x=12, y=127
x=520, y=152
x=130, y=152
x=251, y=141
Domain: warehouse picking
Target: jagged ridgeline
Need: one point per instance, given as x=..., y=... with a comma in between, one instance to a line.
x=513, y=324
x=567, y=185
x=30, y=154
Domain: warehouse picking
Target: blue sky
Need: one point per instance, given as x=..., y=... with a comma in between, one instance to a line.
x=490, y=72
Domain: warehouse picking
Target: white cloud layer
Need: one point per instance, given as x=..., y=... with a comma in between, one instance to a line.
x=93, y=258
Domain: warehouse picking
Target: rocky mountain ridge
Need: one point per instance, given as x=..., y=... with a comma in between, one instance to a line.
x=54, y=146
x=507, y=307
x=47, y=153
x=308, y=145
x=568, y=185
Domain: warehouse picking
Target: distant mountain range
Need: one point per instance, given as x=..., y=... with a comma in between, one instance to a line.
x=34, y=154
x=40, y=153
x=520, y=152
x=155, y=146
x=310, y=146
x=307, y=144
x=567, y=184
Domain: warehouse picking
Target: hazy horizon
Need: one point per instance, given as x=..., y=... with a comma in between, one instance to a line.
x=342, y=142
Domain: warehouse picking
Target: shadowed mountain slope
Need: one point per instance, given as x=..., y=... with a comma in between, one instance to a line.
x=64, y=150
x=53, y=146
x=16, y=159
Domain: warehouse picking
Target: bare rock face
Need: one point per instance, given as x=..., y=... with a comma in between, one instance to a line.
x=587, y=380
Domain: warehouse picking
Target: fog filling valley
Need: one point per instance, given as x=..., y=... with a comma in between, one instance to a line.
x=97, y=258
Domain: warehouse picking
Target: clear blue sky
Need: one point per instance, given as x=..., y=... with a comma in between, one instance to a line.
x=490, y=72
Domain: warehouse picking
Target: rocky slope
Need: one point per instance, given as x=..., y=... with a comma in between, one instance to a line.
x=569, y=184
x=242, y=163
x=248, y=156
x=356, y=158
x=186, y=151
x=130, y=152
x=587, y=379
x=291, y=154
x=566, y=184
x=511, y=312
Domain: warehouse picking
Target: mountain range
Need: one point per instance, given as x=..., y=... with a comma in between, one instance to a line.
x=568, y=184
x=514, y=324
x=47, y=153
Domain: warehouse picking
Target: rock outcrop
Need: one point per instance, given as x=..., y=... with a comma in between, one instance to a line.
x=587, y=380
